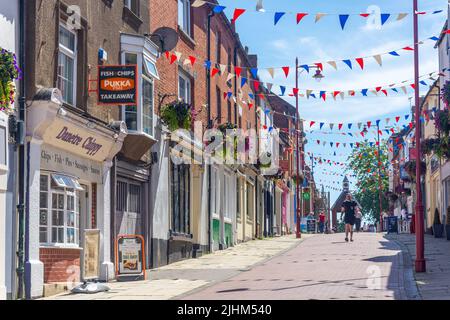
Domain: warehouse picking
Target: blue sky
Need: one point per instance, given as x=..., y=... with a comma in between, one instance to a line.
x=323, y=41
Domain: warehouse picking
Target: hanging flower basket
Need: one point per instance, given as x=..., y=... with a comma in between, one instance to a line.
x=227, y=126
x=430, y=145
x=442, y=121
x=446, y=93
x=177, y=115
x=9, y=72
x=410, y=168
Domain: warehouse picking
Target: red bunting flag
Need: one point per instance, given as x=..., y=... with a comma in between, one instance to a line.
x=192, y=59
x=300, y=16
x=365, y=15
x=286, y=71
x=408, y=49
x=225, y=94
x=319, y=65
x=411, y=125
x=369, y=124
x=167, y=54
x=324, y=96
x=336, y=93
x=360, y=62
x=250, y=105
x=385, y=92
x=261, y=96
x=318, y=141
x=214, y=71
x=338, y=144
x=413, y=86
x=256, y=85
x=237, y=13
x=238, y=71
x=378, y=89
x=340, y=126
x=397, y=119
x=295, y=91
x=446, y=31
x=312, y=123
x=173, y=58
x=264, y=127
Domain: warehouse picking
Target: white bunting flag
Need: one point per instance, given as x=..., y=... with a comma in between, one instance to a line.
x=269, y=86
x=319, y=16
x=378, y=59
x=333, y=64
x=178, y=55
x=198, y=3
x=260, y=7
x=222, y=68
x=342, y=95
x=401, y=16
x=308, y=93
x=230, y=76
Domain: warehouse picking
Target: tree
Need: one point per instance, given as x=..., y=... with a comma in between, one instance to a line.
x=366, y=167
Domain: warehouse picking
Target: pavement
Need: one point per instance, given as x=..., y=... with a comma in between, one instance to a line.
x=435, y=283
x=180, y=278
x=323, y=267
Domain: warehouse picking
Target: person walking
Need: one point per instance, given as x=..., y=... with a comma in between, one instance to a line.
x=348, y=210
x=358, y=218
x=322, y=222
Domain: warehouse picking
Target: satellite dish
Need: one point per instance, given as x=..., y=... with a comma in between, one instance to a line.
x=165, y=38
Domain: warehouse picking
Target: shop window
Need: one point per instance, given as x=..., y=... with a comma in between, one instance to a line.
x=238, y=198
x=184, y=87
x=184, y=16
x=67, y=61
x=250, y=201
x=180, y=198
x=59, y=210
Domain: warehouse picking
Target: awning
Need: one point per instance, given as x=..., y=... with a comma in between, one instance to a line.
x=66, y=182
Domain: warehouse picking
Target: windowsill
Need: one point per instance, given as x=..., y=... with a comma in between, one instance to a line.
x=131, y=18
x=176, y=236
x=60, y=246
x=187, y=38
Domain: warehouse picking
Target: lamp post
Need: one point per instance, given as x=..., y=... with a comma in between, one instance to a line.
x=420, y=264
x=318, y=76
x=380, y=186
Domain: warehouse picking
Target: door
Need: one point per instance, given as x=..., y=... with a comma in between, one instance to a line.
x=128, y=208
x=85, y=223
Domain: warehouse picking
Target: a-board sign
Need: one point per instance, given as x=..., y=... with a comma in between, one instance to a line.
x=130, y=255
x=311, y=225
x=392, y=223
x=91, y=254
x=117, y=85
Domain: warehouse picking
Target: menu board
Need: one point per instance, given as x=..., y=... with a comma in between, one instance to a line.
x=91, y=254
x=130, y=254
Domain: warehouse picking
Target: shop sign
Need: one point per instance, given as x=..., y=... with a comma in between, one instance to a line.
x=130, y=255
x=56, y=160
x=117, y=85
x=77, y=140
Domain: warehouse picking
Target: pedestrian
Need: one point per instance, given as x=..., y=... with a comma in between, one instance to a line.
x=322, y=218
x=348, y=210
x=358, y=218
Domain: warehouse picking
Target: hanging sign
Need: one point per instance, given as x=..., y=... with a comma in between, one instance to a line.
x=130, y=256
x=117, y=85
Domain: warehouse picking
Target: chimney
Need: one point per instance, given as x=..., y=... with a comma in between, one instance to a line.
x=253, y=58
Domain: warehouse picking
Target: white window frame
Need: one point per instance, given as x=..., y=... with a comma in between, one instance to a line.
x=142, y=59
x=73, y=55
x=186, y=16
x=65, y=192
x=187, y=79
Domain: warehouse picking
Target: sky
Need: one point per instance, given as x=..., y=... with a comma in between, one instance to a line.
x=311, y=42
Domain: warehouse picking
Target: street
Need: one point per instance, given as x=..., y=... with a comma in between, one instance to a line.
x=322, y=267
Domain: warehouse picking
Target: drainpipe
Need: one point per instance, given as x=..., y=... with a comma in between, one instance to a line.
x=209, y=125
x=22, y=165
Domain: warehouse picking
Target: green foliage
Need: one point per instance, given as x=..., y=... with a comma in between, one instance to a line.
x=9, y=71
x=366, y=167
x=177, y=115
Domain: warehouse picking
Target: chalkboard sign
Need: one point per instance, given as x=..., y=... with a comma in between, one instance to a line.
x=392, y=224
x=311, y=226
x=130, y=257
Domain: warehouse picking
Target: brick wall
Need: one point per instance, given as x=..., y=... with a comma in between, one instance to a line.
x=164, y=13
x=60, y=265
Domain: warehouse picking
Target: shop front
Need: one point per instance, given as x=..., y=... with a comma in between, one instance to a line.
x=68, y=228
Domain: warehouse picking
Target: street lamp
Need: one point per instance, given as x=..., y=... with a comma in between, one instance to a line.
x=318, y=77
x=420, y=264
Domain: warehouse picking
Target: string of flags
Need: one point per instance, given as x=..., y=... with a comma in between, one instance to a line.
x=286, y=70
x=300, y=16
x=370, y=123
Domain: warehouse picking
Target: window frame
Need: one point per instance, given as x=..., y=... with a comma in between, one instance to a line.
x=180, y=221
x=65, y=192
x=127, y=4
x=141, y=59
x=186, y=16
x=187, y=79
x=72, y=54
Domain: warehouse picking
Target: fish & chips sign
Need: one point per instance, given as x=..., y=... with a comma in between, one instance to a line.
x=117, y=85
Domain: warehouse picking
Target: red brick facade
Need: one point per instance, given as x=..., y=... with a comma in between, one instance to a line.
x=163, y=13
x=60, y=265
